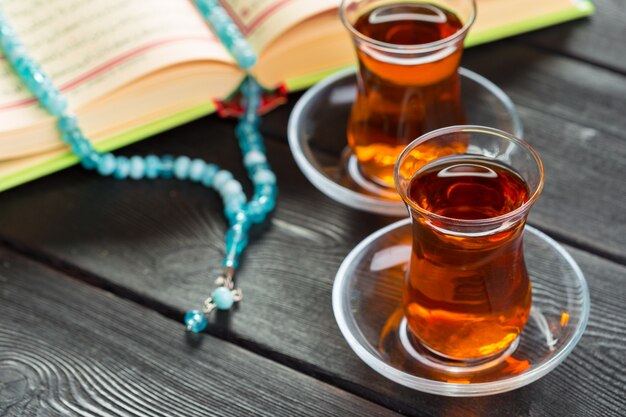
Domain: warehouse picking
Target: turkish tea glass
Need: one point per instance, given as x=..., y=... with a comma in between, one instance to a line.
x=408, y=83
x=467, y=294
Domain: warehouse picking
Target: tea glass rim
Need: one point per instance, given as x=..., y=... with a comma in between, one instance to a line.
x=520, y=211
x=414, y=48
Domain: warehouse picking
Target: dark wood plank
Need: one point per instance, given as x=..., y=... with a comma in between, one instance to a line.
x=598, y=39
x=156, y=240
x=561, y=87
x=584, y=200
x=70, y=349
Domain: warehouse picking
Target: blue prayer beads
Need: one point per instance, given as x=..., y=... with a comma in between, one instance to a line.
x=228, y=32
x=195, y=321
x=240, y=213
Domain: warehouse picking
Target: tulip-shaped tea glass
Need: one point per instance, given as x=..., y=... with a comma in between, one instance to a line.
x=467, y=293
x=408, y=82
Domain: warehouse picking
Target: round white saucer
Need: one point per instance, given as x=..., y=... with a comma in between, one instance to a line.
x=367, y=302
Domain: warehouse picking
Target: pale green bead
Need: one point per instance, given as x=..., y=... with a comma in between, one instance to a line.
x=221, y=178
x=181, y=167
x=137, y=167
x=196, y=170
x=107, y=164
x=223, y=298
x=231, y=188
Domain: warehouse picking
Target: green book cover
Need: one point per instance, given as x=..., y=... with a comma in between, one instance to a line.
x=580, y=8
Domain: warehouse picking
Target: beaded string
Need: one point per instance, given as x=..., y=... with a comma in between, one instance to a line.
x=240, y=213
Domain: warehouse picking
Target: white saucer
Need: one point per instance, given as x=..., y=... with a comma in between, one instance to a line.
x=367, y=302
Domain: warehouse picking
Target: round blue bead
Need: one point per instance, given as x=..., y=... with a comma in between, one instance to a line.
x=256, y=214
x=221, y=178
x=264, y=176
x=137, y=167
x=203, y=6
x=244, y=129
x=245, y=57
x=251, y=116
x=265, y=190
x=36, y=84
x=231, y=188
x=231, y=208
x=91, y=160
x=220, y=13
x=152, y=166
x=54, y=102
x=255, y=138
x=254, y=158
x=219, y=20
x=73, y=136
x=67, y=123
x=250, y=88
x=107, y=164
x=235, y=199
x=181, y=167
x=248, y=59
x=167, y=166
x=231, y=31
x=196, y=170
x=222, y=298
x=81, y=148
x=123, y=168
x=14, y=50
x=195, y=321
x=209, y=173
x=256, y=146
x=23, y=64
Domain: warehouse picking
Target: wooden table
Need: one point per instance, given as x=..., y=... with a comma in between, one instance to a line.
x=95, y=274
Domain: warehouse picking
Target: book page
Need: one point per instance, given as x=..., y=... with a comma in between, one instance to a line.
x=90, y=48
x=262, y=21
x=493, y=14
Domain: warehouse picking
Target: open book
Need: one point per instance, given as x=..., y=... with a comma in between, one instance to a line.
x=132, y=68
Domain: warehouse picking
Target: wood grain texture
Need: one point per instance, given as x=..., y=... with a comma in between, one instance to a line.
x=598, y=39
x=557, y=86
x=70, y=349
x=155, y=241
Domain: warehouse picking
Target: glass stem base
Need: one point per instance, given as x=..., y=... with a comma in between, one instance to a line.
x=370, y=185
x=426, y=356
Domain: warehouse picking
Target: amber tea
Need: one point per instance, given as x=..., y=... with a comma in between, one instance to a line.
x=467, y=297
x=407, y=91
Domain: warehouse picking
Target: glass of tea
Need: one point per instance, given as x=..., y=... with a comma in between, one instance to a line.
x=408, y=83
x=467, y=294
